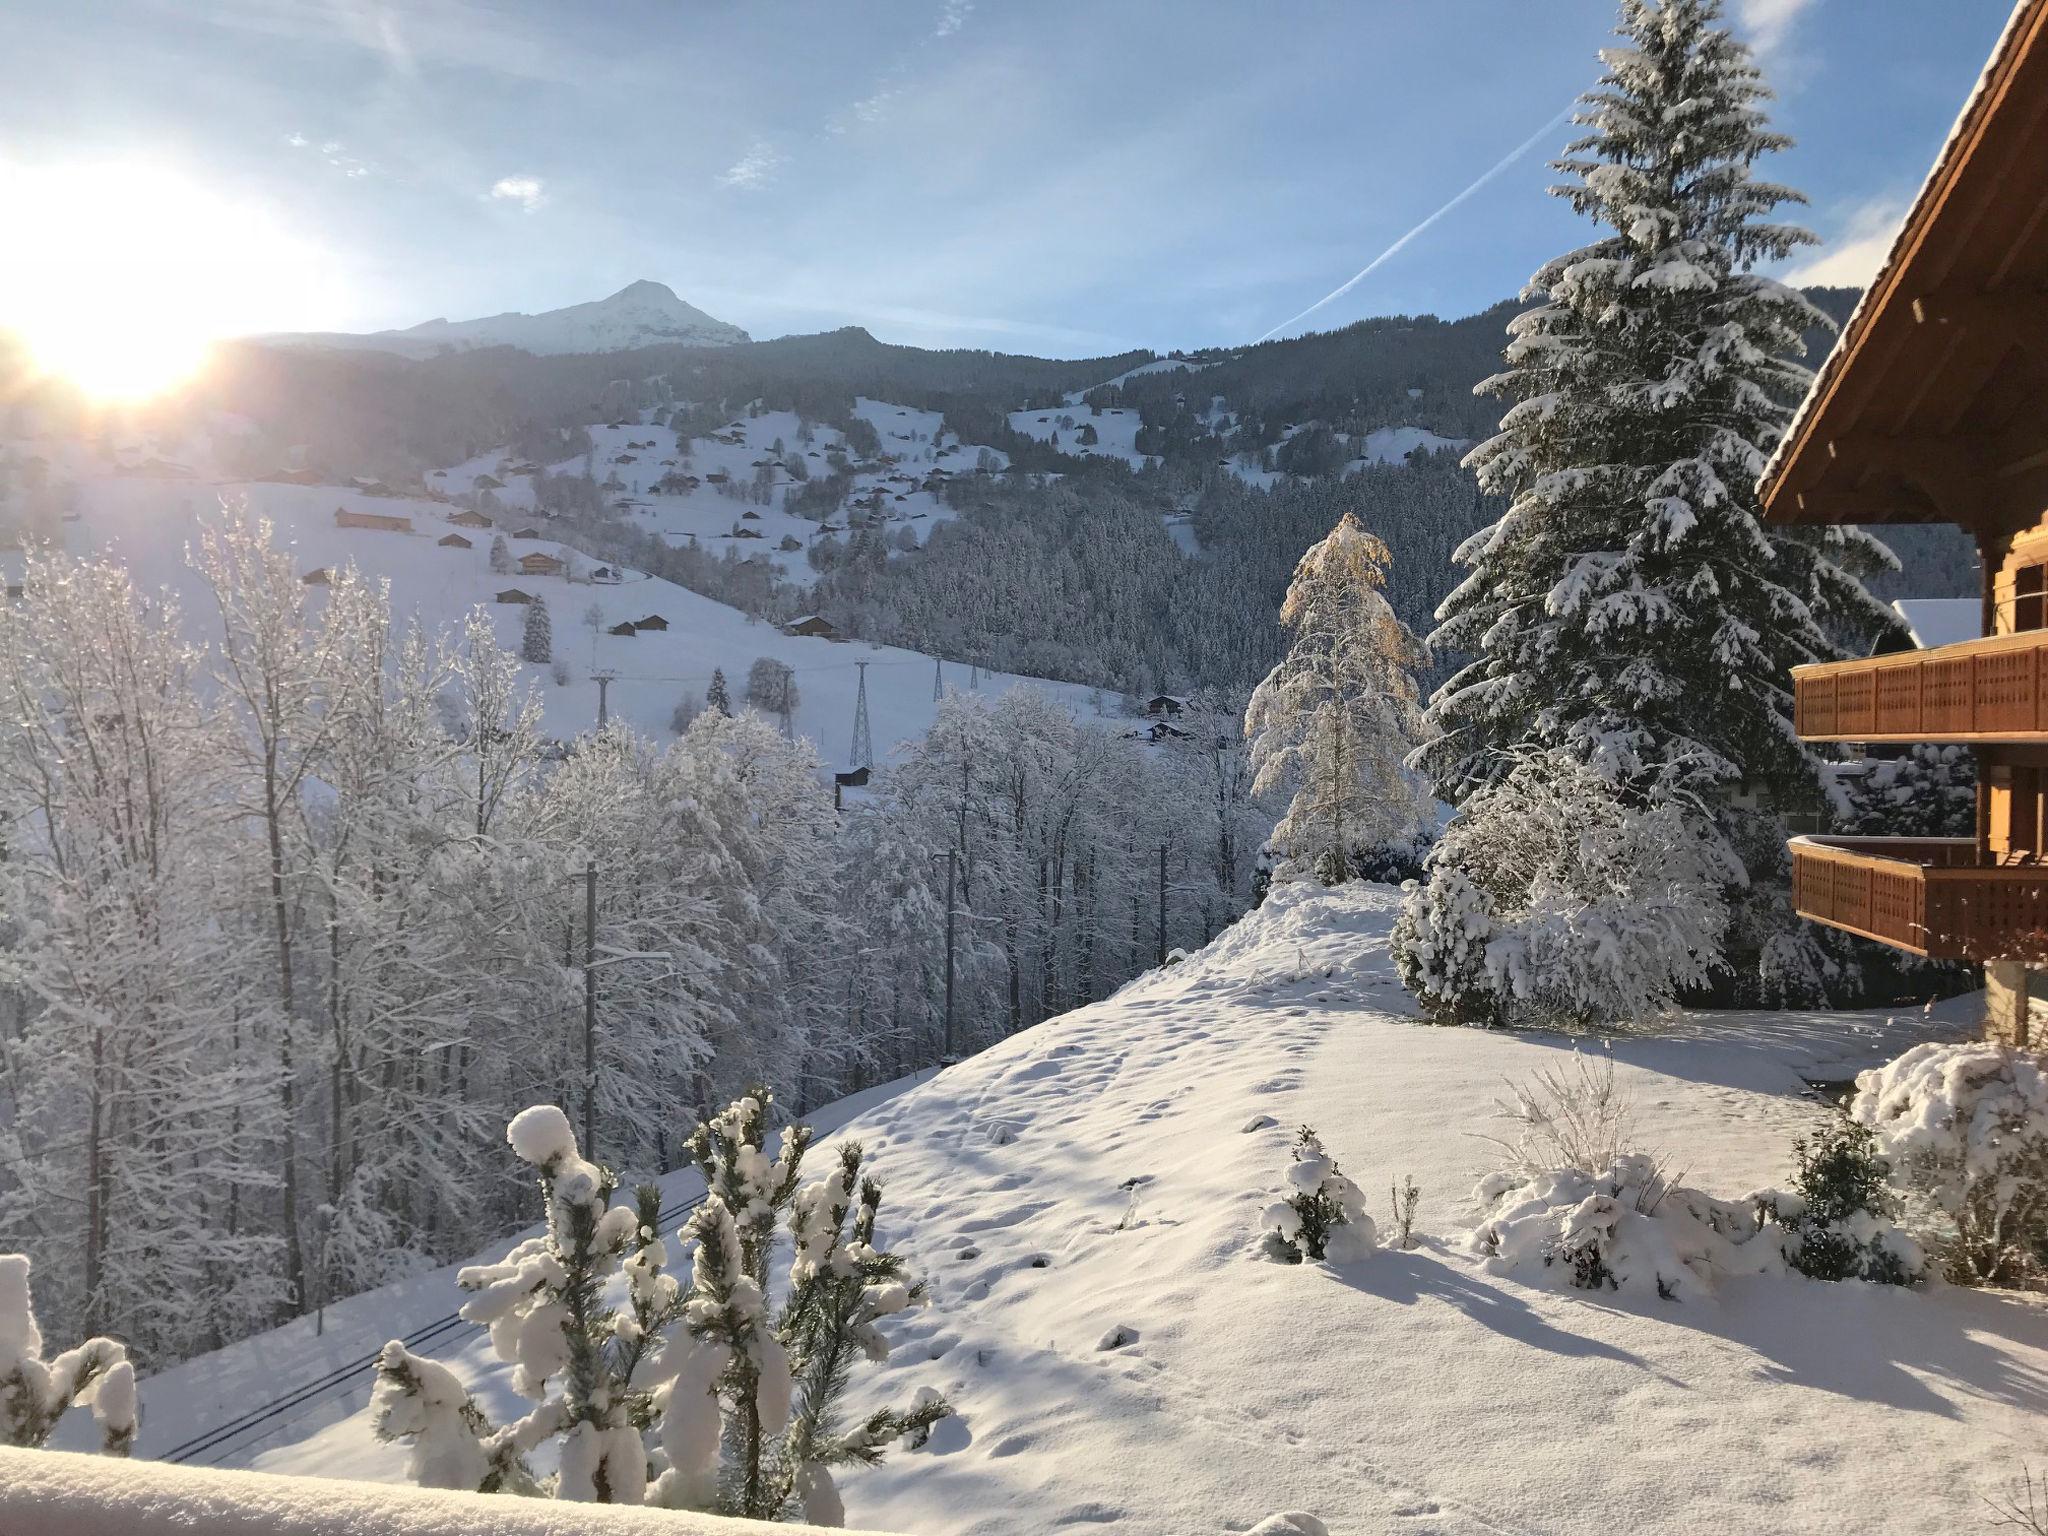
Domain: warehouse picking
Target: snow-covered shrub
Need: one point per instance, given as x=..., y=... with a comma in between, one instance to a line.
x=1323, y=1215
x=705, y=1397
x=1559, y=896
x=1965, y=1130
x=35, y=1393
x=1623, y=1228
x=1838, y=1216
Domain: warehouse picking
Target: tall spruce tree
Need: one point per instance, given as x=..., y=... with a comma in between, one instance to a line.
x=538, y=641
x=1631, y=608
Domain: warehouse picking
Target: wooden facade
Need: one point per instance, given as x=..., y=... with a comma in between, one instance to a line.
x=383, y=522
x=1934, y=408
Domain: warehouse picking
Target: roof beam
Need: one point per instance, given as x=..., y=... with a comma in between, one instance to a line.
x=1888, y=504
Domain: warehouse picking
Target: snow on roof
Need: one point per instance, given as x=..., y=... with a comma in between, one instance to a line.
x=1934, y=621
x=58, y=1493
x=1923, y=207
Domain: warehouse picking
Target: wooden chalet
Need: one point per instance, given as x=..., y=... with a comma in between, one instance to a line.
x=540, y=564
x=627, y=630
x=317, y=578
x=813, y=625
x=454, y=541
x=652, y=621
x=384, y=522
x=528, y=532
x=467, y=519
x=1934, y=408
x=514, y=595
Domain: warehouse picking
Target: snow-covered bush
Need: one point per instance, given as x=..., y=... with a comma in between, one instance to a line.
x=703, y=1397
x=1323, y=1214
x=1579, y=1196
x=1837, y=1217
x=35, y=1393
x=1623, y=1228
x=1965, y=1130
x=1559, y=896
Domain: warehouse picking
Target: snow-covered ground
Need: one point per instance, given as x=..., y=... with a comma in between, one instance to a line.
x=149, y=522
x=1085, y=1199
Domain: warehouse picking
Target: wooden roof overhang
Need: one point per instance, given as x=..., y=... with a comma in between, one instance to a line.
x=1933, y=407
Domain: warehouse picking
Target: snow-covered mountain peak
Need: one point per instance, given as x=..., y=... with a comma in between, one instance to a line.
x=641, y=314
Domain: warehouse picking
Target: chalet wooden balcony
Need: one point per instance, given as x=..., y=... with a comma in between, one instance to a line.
x=1994, y=689
x=1939, y=897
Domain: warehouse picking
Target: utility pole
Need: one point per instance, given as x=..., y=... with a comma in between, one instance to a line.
x=948, y=1055
x=590, y=1009
x=604, y=683
x=1162, y=903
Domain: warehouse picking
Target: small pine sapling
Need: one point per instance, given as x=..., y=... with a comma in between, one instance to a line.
x=1403, y=1198
x=1838, y=1217
x=35, y=1393
x=1324, y=1217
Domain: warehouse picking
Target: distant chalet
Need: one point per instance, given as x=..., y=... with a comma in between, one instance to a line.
x=455, y=541
x=466, y=519
x=811, y=624
x=538, y=564
x=514, y=595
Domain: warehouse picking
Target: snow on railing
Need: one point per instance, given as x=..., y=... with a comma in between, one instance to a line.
x=55, y=1493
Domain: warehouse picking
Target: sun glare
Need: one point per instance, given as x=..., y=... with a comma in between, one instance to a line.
x=121, y=276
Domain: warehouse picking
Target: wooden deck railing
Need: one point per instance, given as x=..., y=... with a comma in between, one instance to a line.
x=1994, y=689
x=1933, y=896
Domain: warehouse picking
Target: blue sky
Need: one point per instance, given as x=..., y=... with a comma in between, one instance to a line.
x=1063, y=177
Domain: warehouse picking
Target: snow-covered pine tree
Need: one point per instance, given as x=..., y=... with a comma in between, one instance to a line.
x=35, y=1393
x=1337, y=718
x=501, y=556
x=1323, y=1214
x=537, y=643
x=741, y=1404
x=1630, y=607
x=717, y=696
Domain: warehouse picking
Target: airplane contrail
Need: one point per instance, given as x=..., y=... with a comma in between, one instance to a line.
x=1370, y=267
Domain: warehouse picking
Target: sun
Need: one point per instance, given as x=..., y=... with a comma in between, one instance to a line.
x=120, y=276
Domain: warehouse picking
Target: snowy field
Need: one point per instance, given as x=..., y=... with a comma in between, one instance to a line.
x=149, y=522
x=1085, y=1200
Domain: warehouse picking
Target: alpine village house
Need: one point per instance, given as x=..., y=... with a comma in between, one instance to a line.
x=1933, y=407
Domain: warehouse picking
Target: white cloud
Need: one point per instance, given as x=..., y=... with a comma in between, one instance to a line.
x=755, y=169
x=952, y=17
x=1858, y=249
x=1769, y=22
x=527, y=191
x=296, y=140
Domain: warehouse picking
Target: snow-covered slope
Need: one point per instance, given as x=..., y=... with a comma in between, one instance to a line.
x=1085, y=1199
x=642, y=314
x=148, y=520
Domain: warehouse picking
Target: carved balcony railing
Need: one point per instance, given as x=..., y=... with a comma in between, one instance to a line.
x=1994, y=689
x=1938, y=897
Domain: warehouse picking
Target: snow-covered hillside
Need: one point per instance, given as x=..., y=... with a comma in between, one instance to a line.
x=1085, y=1199
x=696, y=489
x=642, y=314
x=149, y=519
x=1114, y=432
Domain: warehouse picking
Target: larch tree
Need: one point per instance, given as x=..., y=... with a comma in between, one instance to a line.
x=1630, y=608
x=1336, y=719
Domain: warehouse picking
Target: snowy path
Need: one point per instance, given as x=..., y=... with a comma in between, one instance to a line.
x=1084, y=1199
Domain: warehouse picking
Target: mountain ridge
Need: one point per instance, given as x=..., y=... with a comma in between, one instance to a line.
x=644, y=313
